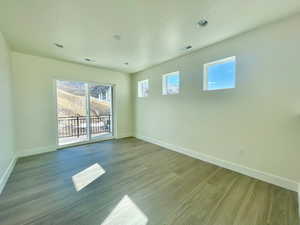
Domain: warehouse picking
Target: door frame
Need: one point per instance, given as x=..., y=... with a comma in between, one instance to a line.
x=90, y=140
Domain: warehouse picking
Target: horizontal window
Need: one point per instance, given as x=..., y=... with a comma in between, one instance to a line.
x=220, y=74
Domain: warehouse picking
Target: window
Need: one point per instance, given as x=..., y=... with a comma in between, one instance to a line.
x=143, y=88
x=219, y=74
x=170, y=83
x=83, y=113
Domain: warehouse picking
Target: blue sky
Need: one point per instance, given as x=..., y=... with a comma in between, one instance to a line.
x=173, y=80
x=221, y=76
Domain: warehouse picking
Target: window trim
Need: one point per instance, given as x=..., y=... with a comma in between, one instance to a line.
x=165, y=84
x=205, y=74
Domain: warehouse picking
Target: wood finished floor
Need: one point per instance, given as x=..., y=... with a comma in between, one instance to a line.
x=169, y=188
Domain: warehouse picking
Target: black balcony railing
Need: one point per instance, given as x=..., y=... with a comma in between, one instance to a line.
x=76, y=126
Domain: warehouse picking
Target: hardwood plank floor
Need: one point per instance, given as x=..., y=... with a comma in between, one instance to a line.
x=142, y=184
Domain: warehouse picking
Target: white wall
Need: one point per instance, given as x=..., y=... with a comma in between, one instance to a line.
x=6, y=114
x=33, y=80
x=256, y=125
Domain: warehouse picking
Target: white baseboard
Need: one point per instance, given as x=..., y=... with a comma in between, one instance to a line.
x=299, y=198
x=40, y=150
x=103, y=138
x=4, y=178
x=124, y=135
x=260, y=175
x=35, y=151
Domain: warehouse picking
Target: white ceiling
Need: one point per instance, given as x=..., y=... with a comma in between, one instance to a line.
x=152, y=31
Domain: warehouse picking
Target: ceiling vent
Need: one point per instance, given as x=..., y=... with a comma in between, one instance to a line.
x=202, y=22
x=89, y=60
x=58, y=45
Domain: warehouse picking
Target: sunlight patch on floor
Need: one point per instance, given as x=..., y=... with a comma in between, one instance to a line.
x=87, y=176
x=126, y=213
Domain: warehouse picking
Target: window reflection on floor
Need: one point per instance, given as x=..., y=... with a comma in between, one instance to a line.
x=126, y=213
x=87, y=176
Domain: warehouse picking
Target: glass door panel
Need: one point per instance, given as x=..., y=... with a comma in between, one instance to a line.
x=100, y=108
x=72, y=114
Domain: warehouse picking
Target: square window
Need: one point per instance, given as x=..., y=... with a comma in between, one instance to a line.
x=171, y=82
x=143, y=88
x=220, y=74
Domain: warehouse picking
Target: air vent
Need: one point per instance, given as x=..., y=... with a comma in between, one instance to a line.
x=58, y=45
x=203, y=22
x=89, y=60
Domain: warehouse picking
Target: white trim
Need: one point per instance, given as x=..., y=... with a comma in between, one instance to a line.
x=36, y=151
x=53, y=148
x=92, y=141
x=114, y=109
x=124, y=135
x=87, y=108
x=260, y=175
x=227, y=59
x=299, y=199
x=4, y=178
x=55, y=109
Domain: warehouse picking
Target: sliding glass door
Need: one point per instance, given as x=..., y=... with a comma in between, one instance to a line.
x=84, y=111
x=100, y=105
